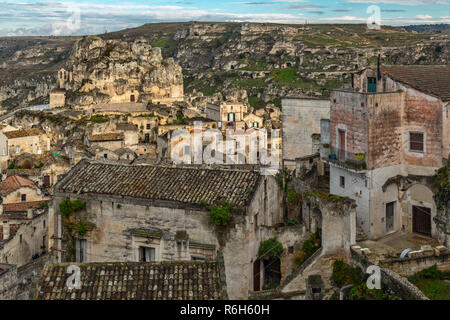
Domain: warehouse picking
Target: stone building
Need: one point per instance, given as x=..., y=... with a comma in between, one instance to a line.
x=388, y=135
x=301, y=118
x=111, y=140
x=160, y=213
x=24, y=234
x=227, y=113
x=17, y=190
x=8, y=281
x=14, y=143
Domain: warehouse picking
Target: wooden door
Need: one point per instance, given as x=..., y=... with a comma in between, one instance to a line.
x=132, y=98
x=257, y=275
x=341, y=145
x=422, y=220
x=47, y=181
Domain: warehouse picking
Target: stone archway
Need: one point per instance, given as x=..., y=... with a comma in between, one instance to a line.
x=416, y=196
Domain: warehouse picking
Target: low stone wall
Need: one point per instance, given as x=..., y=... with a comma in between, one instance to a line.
x=392, y=280
x=409, y=266
x=8, y=281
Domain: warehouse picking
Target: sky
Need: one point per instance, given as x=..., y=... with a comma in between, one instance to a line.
x=70, y=17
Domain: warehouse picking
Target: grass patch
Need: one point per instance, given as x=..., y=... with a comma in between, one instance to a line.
x=433, y=283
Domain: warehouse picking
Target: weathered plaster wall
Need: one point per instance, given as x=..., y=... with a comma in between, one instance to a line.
x=34, y=235
x=301, y=119
x=8, y=281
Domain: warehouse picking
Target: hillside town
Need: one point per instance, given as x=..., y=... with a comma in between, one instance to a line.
x=124, y=187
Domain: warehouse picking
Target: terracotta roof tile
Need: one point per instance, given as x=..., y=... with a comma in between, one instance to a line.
x=191, y=185
x=23, y=133
x=431, y=79
x=112, y=136
x=174, y=280
x=21, y=206
x=13, y=183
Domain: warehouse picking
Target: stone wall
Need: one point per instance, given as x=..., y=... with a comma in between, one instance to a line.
x=8, y=281
x=399, y=285
x=301, y=119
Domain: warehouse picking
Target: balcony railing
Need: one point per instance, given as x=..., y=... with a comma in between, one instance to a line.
x=353, y=160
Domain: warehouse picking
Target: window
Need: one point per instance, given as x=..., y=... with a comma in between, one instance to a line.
x=43, y=224
x=17, y=149
x=105, y=156
x=23, y=197
x=416, y=141
x=342, y=181
x=20, y=238
x=148, y=126
x=255, y=124
x=80, y=250
x=371, y=84
x=198, y=258
x=146, y=254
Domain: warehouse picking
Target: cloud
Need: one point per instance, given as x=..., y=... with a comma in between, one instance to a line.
x=424, y=16
x=404, y=2
x=393, y=10
x=341, y=10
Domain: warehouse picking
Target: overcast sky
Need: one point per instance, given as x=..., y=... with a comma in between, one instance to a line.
x=42, y=17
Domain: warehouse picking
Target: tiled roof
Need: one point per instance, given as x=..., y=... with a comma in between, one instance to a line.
x=433, y=79
x=23, y=133
x=113, y=136
x=13, y=183
x=191, y=185
x=126, y=127
x=21, y=206
x=186, y=280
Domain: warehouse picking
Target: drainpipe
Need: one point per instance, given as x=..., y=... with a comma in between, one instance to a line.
x=344, y=288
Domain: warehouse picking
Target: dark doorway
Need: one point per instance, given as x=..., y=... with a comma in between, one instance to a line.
x=272, y=273
x=132, y=98
x=47, y=181
x=390, y=210
x=256, y=275
x=422, y=220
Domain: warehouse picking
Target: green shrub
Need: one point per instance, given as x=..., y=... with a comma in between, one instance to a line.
x=292, y=196
x=67, y=207
x=98, y=118
x=270, y=248
x=221, y=214
x=343, y=274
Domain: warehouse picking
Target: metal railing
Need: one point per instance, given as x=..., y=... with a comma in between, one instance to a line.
x=350, y=159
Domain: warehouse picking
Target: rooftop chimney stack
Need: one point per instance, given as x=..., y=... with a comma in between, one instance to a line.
x=30, y=213
x=6, y=230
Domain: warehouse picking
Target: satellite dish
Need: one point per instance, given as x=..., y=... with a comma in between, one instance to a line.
x=39, y=191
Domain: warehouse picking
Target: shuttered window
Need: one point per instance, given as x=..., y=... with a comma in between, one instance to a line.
x=416, y=141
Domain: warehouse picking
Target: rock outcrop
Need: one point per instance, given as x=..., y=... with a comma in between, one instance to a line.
x=113, y=71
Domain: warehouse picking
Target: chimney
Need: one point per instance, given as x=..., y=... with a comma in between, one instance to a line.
x=5, y=230
x=30, y=213
x=379, y=67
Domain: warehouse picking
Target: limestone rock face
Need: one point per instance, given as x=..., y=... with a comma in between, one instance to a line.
x=117, y=71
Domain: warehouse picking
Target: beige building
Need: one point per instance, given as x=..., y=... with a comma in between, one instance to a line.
x=253, y=121
x=13, y=143
x=16, y=190
x=160, y=213
x=111, y=141
x=225, y=112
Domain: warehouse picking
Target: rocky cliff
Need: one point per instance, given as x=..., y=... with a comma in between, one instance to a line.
x=112, y=70
x=268, y=60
